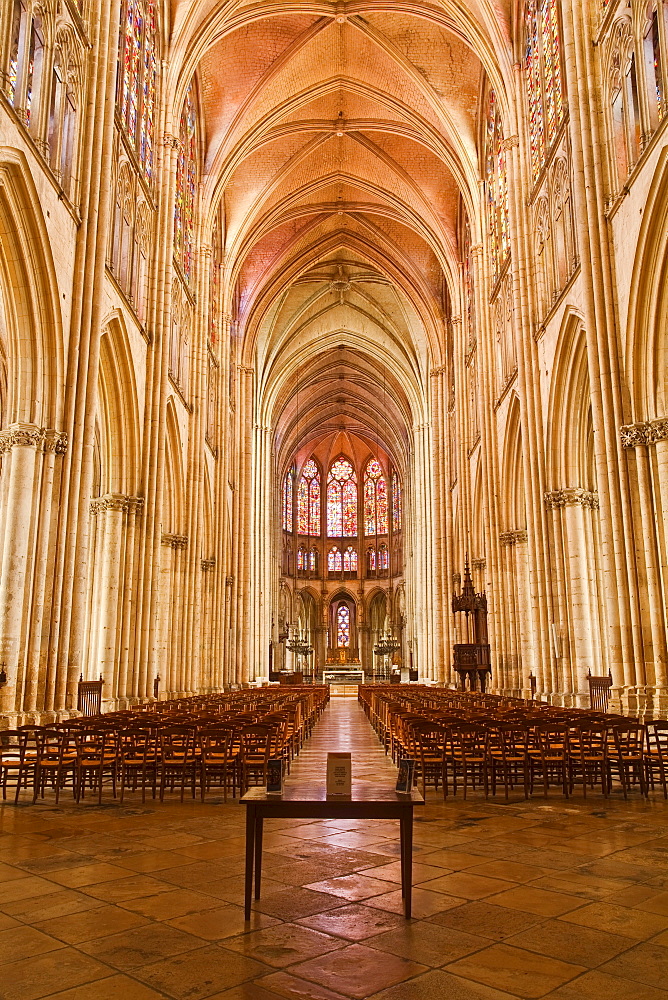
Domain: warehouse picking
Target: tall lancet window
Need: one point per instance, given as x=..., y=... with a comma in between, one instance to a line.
x=138, y=75
x=308, y=500
x=396, y=502
x=497, y=188
x=287, y=500
x=545, y=89
x=343, y=626
x=341, y=500
x=186, y=183
x=375, y=500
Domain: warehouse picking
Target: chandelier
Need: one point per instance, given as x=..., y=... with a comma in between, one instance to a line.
x=387, y=643
x=298, y=643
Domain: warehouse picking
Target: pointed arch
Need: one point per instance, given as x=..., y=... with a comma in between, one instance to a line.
x=173, y=518
x=118, y=410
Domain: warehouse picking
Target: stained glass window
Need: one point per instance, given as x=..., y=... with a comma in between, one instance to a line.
x=350, y=560
x=308, y=500
x=301, y=558
x=287, y=501
x=341, y=500
x=544, y=78
x=186, y=183
x=371, y=559
x=14, y=46
x=335, y=560
x=138, y=80
x=396, y=502
x=375, y=500
x=383, y=558
x=343, y=626
x=497, y=188
x=313, y=560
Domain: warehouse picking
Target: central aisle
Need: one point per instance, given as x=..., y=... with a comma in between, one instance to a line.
x=343, y=727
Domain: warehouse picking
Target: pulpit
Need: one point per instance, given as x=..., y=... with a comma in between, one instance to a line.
x=472, y=660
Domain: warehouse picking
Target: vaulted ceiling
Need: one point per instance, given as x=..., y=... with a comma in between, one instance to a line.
x=338, y=141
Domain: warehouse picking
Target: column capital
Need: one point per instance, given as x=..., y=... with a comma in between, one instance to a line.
x=208, y=564
x=174, y=541
x=510, y=142
x=244, y=370
x=571, y=497
x=514, y=537
x=170, y=141
x=117, y=501
x=435, y=372
x=645, y=432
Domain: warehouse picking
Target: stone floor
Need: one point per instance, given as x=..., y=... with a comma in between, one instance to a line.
x=550, y=898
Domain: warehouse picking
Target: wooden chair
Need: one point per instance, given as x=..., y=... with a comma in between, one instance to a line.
x=588, y=756
x=465, y=754
x=220, y=753
x=508, y=749
x=97, y=759
x=139, y=755
x=56, y=762
x=656, y=757
x=179, y=759
x=548, y=754
x=10, y=760
x=626, y=757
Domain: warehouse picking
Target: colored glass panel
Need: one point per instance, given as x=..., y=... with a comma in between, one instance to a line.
x=287, y=502
x=375, y=500
x=186, y=182
x=350, y=560
x=396, y=503
x=308, y=500
x=334, y=560
x=343, y=626
x=14, y=50
x=138, y=86
x=301, y=558
x=313, y=560
x=371, y=558
x=497, y=189
x=383, y=557
x=544, y=78
x=341, y=500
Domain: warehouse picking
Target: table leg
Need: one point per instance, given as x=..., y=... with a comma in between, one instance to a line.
x=250, y=853
x=408, y=864
x=259, y=822
x=402, y=854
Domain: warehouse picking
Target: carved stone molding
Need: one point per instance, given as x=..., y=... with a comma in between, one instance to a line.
x=170, y=141
x=208, y=564
x=245, y=371
x=31, y=436
x=174, y=541
x=229, y=581
x=511, y=142
x=646, y=432
x=206, y=250
x=517, y=535
x=55, y=442
x=117, y=501
x=571, y=497
x=435, y=372
x=479, y=563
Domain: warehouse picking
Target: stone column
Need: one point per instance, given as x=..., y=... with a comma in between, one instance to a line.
x=20, y=445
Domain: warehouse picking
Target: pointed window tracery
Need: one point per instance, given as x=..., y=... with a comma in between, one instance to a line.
x=350, y=560
x=375, y=500
x=137, y=87
x=186, y=184
x=497, y=189
x=287, y=500
x=396, y=502
x=342, y=500
x=334, y=560
x=308, y=500
x=343, y=626
x=544, y=78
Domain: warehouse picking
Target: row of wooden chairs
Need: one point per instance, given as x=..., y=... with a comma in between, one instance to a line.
x=157, y=752
x=460, y=745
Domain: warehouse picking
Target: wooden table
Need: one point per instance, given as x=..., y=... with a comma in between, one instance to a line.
x=312, y=802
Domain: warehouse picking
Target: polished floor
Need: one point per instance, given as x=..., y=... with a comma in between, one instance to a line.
x=546, y=898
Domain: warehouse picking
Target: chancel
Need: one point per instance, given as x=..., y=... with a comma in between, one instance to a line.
x=333, y=418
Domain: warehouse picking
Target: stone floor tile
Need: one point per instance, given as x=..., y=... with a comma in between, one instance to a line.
x=628, y=921
x=427, y=943
x=423, y=902
x=56, y=904
x=283, y=944
x=598, y=985
x=466, y=885
x=36, y=977
x=511, y=871
x=290, y=987
x=540, y=901
x=453, y=860
x=357, y=972
x=154, y=861
x=489, y=921
x=86, y=925
x=77, y=878
x=140, y=946
x=115, y=988
x=221, y=922
x=392, y=872
x=515, y=970
x=20, y=889
x=439, y=985
x=571, y=942
x=197, y=974
x=645, y=963
x=290, y=904
x=25, y=942
x=351, y=887
x=354, y=922
x=170, y=904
